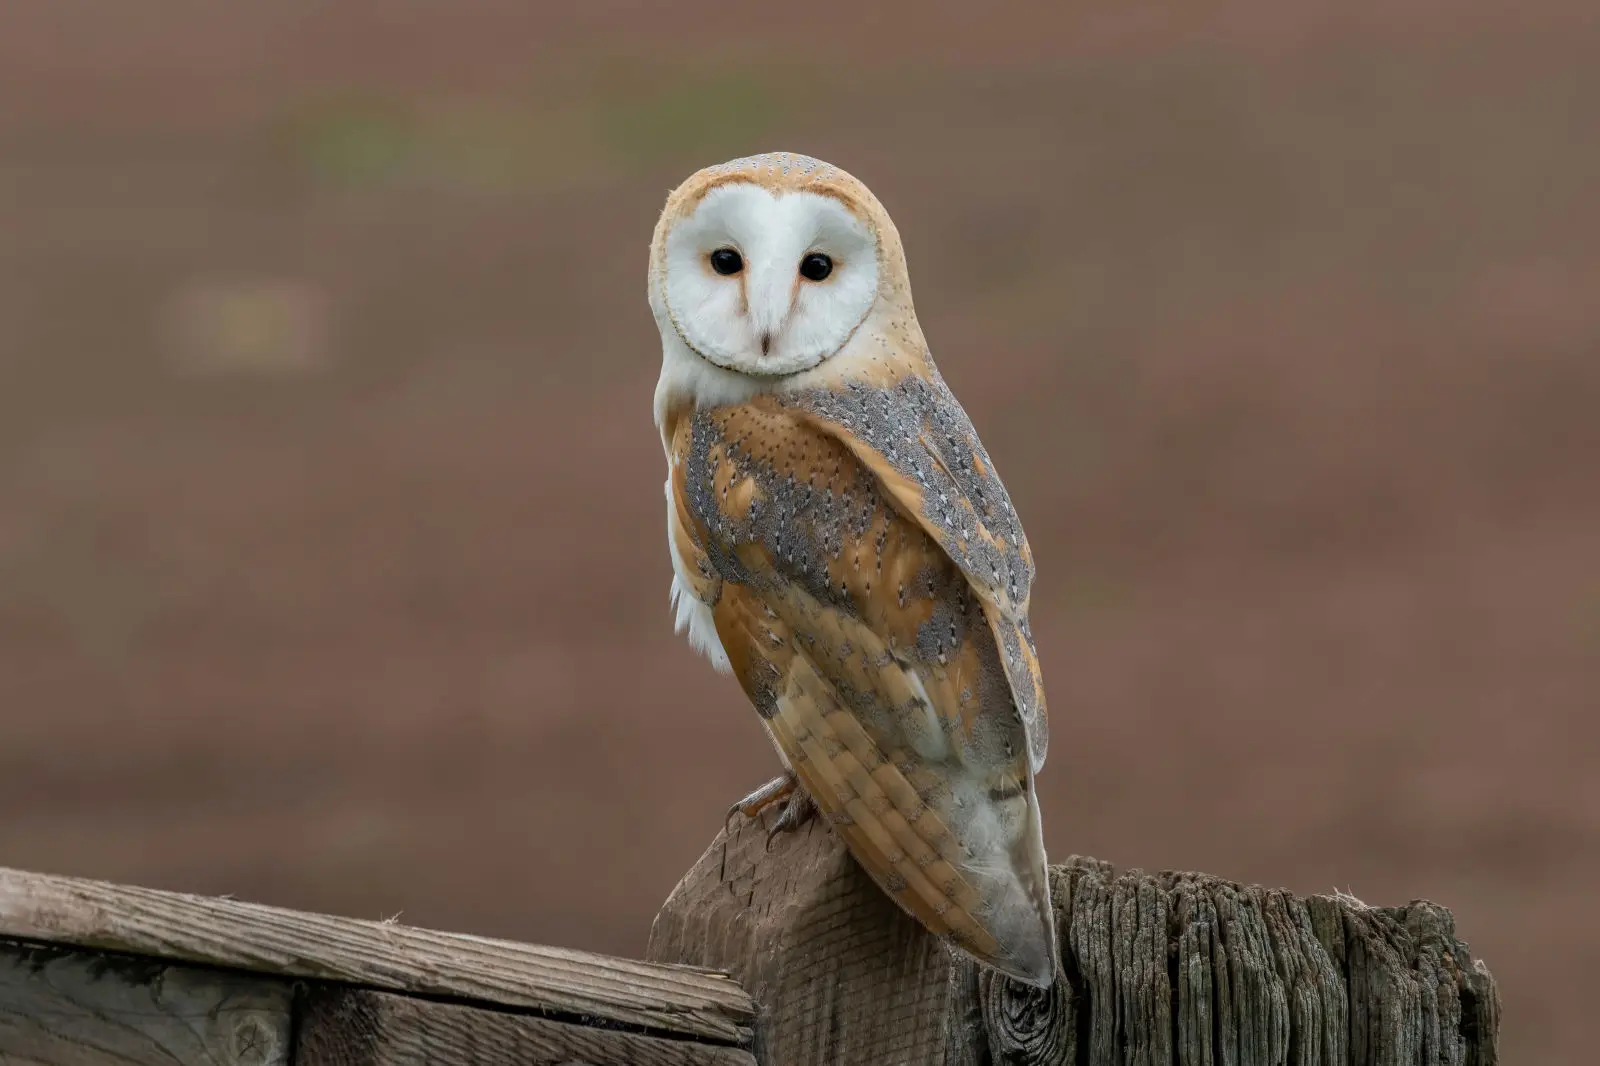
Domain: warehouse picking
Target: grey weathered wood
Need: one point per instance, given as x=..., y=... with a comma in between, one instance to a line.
x=667, y=1000
x=840, y=974
x=1157, y=968
x=358, y=1027
x=65, y=1008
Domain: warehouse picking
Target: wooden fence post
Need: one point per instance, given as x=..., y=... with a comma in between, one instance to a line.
x=1157, y=969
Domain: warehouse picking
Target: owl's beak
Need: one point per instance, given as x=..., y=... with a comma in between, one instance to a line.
x=766, y=343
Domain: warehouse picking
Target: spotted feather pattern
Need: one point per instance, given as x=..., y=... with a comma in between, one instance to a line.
x=874, y=659
x=917, y=437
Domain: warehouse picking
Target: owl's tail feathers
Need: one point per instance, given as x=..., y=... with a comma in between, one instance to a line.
x=961, y=851
x=1030, y=956
x=1024, y=918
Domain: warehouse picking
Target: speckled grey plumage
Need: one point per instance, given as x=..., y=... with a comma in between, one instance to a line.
x=922, y=431
x=803, y=528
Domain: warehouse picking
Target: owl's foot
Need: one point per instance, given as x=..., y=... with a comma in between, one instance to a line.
x=784, y=787
x=797, y=806
x=779, y=788
x=796, y=812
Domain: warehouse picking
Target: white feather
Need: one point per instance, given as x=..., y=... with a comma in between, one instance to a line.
x=686, y=376
x=690, y=614
x=929, y=741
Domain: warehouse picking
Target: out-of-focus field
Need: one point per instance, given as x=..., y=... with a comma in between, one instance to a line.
x=331, y=533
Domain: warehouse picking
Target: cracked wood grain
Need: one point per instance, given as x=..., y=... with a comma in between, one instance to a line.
x=65, y=1008
x=664, y=1000
x=1179, y=968
x=360, y=1027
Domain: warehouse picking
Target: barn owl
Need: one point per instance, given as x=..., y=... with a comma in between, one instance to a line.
x=842, y=544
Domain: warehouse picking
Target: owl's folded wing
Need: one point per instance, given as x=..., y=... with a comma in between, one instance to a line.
x=919, y=444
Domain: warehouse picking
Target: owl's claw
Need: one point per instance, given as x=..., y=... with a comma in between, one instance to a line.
x=784, y=787
x=779, y=788
x=797, y=806
x=796, y=812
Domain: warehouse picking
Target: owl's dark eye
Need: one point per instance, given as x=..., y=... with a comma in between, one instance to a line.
x=816, y=267
x=726, y=261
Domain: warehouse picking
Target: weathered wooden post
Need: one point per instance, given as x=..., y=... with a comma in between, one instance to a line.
x=1158, y=968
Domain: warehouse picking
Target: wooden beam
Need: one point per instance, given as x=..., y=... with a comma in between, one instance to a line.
x=341, y=1026
x=1157, y=969
x=61, y=1008
x=673, y=1002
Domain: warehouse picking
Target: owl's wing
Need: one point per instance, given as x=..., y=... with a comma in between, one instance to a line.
x=875, y=667
x=916, y=439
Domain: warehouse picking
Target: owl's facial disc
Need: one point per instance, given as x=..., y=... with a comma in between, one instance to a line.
x=767, y=284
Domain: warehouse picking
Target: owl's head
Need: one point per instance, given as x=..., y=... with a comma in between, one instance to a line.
x=768, y=266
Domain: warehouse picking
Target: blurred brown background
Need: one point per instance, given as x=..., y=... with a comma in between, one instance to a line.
x=332, y=568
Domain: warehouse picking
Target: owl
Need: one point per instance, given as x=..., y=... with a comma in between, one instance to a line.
x=842, y=544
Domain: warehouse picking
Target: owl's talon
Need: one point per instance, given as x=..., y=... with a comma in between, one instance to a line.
x=796, y=812
x=784, y=787
x=797, y=806
x=779, y=788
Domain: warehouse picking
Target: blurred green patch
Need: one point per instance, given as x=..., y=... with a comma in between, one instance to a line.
x=600, y=120
x=222, y=325
x=695, y=116
x=1589, y=619
x=462, y=144
x=354, y=141
x=1088, y=593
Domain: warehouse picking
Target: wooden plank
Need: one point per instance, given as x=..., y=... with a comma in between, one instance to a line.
x=1157, y=969
x=342, y=1026
x=65, y=1008
x=667, y=1000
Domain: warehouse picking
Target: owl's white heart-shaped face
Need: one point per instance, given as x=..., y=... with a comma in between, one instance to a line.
x=768, y=283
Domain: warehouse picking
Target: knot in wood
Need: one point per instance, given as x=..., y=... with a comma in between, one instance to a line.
x=254, y=1042
x=1026, y=1024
